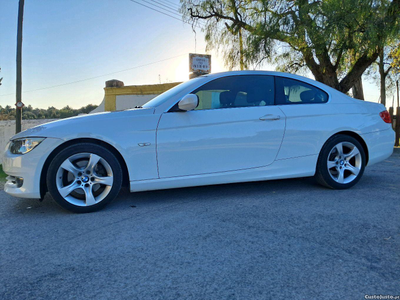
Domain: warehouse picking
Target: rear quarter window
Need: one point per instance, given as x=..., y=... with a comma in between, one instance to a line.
x=291, y=91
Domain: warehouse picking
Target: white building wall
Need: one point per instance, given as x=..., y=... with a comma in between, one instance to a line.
x=99, y=108
x=7, y=129
x=130, y=101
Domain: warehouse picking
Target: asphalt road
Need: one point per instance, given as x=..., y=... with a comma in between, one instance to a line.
x=287, y=239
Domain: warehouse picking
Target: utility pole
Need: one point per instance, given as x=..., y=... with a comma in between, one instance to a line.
x=19, y=104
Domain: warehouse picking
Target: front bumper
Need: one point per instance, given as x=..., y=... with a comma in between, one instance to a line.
x=29, y=167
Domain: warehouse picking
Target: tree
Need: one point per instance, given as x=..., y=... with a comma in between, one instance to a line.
x=66, y=112
x=336, y=40
x=383, y=73
x=8, y=112
x=386, y=71
x=52, y=113
x=395, y=56
x=28, y=115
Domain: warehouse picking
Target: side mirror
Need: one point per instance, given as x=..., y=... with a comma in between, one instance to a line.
x=189, y=102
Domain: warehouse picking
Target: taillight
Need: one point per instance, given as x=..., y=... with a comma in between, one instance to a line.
x=385, y=116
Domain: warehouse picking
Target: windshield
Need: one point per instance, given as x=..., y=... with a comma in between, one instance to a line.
x=160, y=99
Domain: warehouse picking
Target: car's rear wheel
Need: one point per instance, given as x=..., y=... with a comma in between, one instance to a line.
x=84, y=177
x=341, y=162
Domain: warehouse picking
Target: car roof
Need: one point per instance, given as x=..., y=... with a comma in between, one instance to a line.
x=199, y=81
x=259, y=72
x=271, y=73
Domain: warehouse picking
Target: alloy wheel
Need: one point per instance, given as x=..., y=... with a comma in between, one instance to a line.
x=84, y=179
x=344, y=162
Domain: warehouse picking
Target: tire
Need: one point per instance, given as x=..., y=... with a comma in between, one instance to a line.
x=83, y=178
x=341, y=162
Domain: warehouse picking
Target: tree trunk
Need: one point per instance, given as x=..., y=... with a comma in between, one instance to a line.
x=354, y=75
x=383, y=89
x=382, y=78
x=330, y=79
x=357, y=89
x=241, y=49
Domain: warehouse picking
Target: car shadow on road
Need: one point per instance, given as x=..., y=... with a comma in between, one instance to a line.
x=209, y=194
x=214, y=192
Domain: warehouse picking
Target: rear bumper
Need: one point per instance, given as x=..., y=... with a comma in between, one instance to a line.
x=380, y=145
x=27, y=167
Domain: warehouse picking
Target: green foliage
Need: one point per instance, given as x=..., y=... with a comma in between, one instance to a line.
x=336, y=40
x=28, y=112
x=395, y=56
x=2, y=174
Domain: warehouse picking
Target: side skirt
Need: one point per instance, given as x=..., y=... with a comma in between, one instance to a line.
x=280, y=169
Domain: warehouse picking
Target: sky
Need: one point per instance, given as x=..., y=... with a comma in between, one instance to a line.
x=70, y=48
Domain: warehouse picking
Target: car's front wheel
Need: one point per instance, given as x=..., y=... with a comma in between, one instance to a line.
x=341, y=162
x=84, y=177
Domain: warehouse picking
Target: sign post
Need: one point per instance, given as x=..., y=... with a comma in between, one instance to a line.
x=199, y=64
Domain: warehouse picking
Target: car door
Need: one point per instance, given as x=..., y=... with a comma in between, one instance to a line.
x=235, y=126
x=309, y=118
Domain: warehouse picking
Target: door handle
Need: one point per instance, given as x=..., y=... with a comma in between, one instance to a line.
x=270, y=118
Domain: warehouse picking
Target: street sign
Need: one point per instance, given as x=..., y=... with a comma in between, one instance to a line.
x=19, y=104
x=199, y=63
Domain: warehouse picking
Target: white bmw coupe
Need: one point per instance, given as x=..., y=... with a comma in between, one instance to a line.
x=215, y=129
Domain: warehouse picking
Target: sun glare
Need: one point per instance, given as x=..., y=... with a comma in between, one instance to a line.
x=182, y=70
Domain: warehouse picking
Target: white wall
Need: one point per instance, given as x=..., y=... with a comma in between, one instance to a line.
x=99, y=108
x=130, y=101
x=7, y=129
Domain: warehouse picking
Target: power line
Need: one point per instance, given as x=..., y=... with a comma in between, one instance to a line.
x=90, y=78
x=160, y=10
x=157, y=10
x=174, y=10
x=177, y=6
x=156, y=4
x=198, y=24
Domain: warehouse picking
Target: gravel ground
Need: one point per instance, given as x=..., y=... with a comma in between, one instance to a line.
x=286, y=239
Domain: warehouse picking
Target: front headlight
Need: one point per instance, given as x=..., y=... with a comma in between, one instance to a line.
x=24, y=145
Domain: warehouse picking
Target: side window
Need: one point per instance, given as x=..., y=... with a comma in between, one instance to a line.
x=290, y=91
x=236, y=91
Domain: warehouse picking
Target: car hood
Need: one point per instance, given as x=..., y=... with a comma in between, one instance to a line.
x=85, y=125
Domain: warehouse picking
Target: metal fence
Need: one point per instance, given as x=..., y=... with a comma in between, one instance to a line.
x=395, y=114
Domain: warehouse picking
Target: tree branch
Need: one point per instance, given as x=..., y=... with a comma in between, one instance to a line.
x=215, y=14
x=356, y=72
